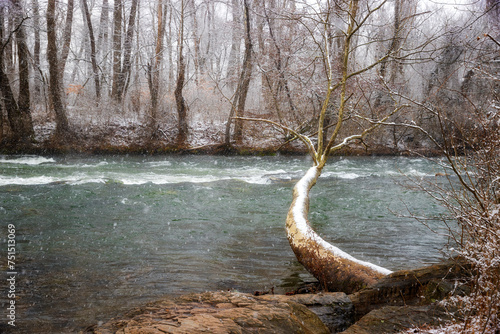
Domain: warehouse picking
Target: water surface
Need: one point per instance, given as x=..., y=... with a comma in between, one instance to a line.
x=99, y=235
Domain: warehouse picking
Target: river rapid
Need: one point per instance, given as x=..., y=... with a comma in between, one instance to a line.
x=98, y=235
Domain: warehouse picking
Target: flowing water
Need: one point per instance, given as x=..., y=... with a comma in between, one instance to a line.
x=99, y=235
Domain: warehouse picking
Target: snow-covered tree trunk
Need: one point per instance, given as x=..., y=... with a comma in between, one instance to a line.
x=335, y=269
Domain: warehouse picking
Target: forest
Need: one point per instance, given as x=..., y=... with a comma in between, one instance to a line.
x=185, y=74
x=322, y=77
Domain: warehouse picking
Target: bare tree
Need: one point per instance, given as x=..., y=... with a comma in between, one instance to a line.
x=18, y=111
x=153, y=70
x=198, y=63
x=240, y=96
x=124, y=70
x=93, y=51
x=470, y=147
x=62, y=127
x=23, y=56
x=336, y=270
x=36, y=49
x=68, y=28
x=10, y=104
x=182, y=125
x=233, y=66
x=117, y=48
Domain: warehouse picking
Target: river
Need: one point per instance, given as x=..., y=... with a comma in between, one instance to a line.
x=97, y=235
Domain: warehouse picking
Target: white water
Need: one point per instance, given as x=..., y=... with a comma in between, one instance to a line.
x=36, y=170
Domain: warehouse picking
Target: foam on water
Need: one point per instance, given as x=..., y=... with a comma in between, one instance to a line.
x=27, y=160
x=343, y=175
x=16, y=180
x=39, y=170
x=130, y=173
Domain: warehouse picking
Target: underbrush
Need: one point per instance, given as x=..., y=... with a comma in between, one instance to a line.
x=472, y=198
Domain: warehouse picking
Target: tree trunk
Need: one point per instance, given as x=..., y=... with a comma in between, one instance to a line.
x=13, y=113
x=154, y=69
x=18, y=112
x=9, y=46
x=36, y=51
x=23, y=55
x=93, y=59
x=234, y=54
x=127, y=64
x=170, y=51
x=181, y=104
x=102, y=39
x=238, y=105
x=196, y=44
x=117, y=47
x=182, y=125
x=10, y=104
x=394, y=46
x=66, y=39
x=335, y=269
x=62, y=127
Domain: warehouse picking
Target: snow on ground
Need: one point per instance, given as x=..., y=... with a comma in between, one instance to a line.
x=113, y=128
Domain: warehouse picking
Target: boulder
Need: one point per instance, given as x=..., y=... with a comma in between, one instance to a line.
x=216, y=312
x=394, y=319
x=421, y=286
x=334, y=309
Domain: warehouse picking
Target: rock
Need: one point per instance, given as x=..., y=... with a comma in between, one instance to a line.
x=412, y=287
x=217, y=312
x=393, y=319
x=399, y=301
x=334, y=309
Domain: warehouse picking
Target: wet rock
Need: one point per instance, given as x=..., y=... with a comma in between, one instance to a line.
x=217, y=312
x=393, y=319
x=421, y=286
x=334, y=309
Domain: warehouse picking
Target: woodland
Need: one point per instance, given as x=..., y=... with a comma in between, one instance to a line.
x=166, y=75
x=319, y=77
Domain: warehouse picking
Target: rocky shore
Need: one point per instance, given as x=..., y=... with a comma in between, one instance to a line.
x=398, y=302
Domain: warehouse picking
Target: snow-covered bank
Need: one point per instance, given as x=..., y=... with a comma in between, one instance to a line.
x=124, y=135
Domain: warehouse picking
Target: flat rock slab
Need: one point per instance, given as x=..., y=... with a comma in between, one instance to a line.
x=217, y=312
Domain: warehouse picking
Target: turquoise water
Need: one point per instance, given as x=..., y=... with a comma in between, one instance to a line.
x=99, y=235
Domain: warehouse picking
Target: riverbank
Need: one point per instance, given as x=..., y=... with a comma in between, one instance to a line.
x=132, y=137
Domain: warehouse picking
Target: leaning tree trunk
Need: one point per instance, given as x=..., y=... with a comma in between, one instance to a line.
x=335, y=269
